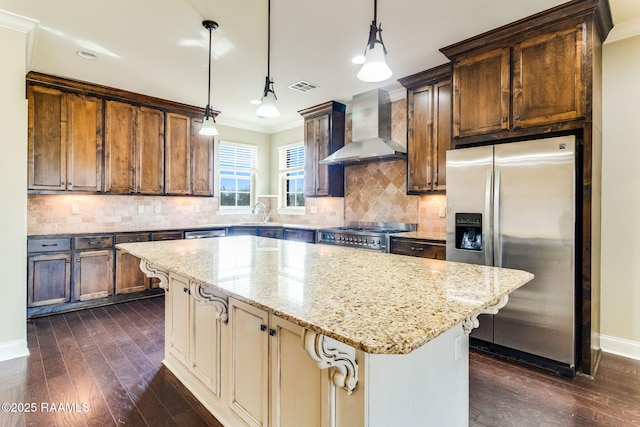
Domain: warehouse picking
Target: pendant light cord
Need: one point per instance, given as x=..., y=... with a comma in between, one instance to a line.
x=209, y=86
x=269, y=39
x=375, y=11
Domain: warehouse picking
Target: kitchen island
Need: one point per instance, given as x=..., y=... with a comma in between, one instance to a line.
x=271, y=332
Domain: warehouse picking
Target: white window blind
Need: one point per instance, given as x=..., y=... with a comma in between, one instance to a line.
x=291, y=168
x=237, y=169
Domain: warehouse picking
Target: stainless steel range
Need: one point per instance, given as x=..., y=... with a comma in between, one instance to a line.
x=373, y=236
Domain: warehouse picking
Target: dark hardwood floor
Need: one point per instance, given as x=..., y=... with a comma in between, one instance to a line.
x=105, y=364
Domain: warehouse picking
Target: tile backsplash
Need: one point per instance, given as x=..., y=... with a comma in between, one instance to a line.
x=53, y=214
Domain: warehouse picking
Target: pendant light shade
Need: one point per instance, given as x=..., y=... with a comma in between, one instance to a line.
x=375, y=68
x=267, y=106
x=209, y=123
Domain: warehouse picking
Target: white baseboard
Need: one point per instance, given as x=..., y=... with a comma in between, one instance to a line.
x=13, y=349
x=620, y=346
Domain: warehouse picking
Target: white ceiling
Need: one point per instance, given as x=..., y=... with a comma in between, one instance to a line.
x=159, y=47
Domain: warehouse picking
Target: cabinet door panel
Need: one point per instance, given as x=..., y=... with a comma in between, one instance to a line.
x=547, y=78
x=441, y=132
x=482, y=93
x=150, y=151
x=129, y=277
x=180, y=301
x=49, y=279
x=47, y=139
x=311, y=156
x=298, y=386
x=178, y=150
x=420, y=141
x=201, y=161
x=322, y=183
x=248, y=391
x=206, y=348
x=93, y=274
x=119, y=147
x=85, y=143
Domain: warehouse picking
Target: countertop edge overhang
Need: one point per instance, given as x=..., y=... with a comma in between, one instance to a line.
x=376, y=302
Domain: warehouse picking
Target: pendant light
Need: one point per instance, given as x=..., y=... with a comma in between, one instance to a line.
x=375, y=68
x=267, y=106
x=209, y=123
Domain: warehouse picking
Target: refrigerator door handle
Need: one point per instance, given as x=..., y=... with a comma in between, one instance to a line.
x=497, y=262
x=488, y=253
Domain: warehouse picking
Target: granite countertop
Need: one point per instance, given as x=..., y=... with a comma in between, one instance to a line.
x=380, y=303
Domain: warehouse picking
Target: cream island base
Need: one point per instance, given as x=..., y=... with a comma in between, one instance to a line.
x=267, y=332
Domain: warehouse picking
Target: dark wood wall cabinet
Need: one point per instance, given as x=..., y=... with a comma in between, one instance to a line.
x=324, y=128
x=428, y=129
x=537, y=77
x=530, y=77
x=91, y=138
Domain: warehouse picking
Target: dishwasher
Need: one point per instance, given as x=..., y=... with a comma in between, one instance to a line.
x=205, y=234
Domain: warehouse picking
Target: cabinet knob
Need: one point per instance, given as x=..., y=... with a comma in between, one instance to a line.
x=517, y=117
x=504, y=119
x=417, y=249
x=263, y=328
x=272, y=332
x=186, y=290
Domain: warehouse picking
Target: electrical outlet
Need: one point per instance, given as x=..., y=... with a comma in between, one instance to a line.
x=442, y=212
x=75, y=209
x=157, y=209
x=140, y=209
x=196, y=208
x=313, y=209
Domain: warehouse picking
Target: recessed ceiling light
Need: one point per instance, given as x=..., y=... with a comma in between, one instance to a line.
x=86, y=55
x=255, y=102
x=358, y=59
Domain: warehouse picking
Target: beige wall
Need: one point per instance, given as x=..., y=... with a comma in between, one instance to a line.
x=13, y=217
x=621, y=196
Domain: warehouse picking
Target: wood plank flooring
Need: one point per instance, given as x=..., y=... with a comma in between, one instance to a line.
x=105, y=363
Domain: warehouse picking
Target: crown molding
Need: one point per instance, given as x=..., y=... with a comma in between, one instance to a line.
x=24, y=25
x=624, y=30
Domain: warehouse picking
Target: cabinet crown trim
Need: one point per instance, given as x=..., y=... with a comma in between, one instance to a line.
x=599, y=10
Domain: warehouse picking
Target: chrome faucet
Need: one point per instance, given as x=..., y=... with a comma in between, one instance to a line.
x=266, y=215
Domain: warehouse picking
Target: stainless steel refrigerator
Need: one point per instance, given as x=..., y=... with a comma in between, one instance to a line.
x=513, y=205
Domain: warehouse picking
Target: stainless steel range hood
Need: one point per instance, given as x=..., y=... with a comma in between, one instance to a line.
x=371, y=132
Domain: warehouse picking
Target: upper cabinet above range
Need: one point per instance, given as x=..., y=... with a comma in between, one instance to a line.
x=530, y=77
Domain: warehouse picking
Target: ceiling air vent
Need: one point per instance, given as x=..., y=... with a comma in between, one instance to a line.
x=302, y=86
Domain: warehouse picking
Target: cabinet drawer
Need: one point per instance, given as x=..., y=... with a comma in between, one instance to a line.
x=167, y=235
x=419, y=248
x=132, y=238
x=93, y=242
x=308, y=236
x=48, y=245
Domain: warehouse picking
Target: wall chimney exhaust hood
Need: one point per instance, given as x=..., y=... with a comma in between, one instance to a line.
x=371, y=132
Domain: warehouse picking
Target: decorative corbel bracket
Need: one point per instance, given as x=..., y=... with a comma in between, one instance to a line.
x=204, y=294
x=471, y=322
x=152, y=270
x=327, y=352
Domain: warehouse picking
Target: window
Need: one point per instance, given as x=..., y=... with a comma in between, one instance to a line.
x=291, y=167
x=237, y=170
